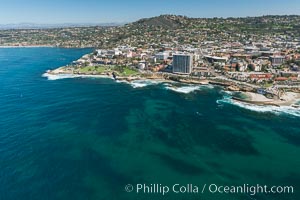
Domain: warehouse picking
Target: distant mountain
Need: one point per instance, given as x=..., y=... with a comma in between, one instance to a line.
x=45, y=26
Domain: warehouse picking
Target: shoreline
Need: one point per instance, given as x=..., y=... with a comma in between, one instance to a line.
x=33, y=46
x=287, y=99
x=142, y=76
x=44, y=46
x=127, y=79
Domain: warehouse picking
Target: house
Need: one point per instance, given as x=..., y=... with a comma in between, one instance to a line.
x=261, y=76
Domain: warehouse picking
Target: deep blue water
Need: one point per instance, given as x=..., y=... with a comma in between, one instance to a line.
x=87, y=138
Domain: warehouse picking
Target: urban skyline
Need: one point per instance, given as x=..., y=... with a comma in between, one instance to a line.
x=92, y=11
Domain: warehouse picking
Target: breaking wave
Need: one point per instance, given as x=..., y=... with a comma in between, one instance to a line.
x=187, y=89
x=143, y=83
x=140, y=83
x=183, y=89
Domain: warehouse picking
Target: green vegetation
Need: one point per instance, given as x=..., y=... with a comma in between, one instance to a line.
x=267, y=85
x=129, y=72
x=125, y=70
x=121, y=70
x=91, y=69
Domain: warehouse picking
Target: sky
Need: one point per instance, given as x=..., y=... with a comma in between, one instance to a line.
x=98, y=11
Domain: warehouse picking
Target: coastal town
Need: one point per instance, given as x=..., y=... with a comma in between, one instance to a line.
x=267, y=68
x=260, y=55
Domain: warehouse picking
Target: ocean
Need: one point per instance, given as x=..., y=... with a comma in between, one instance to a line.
x=88, y=138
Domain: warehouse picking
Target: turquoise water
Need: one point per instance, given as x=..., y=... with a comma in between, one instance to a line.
x=86, y=138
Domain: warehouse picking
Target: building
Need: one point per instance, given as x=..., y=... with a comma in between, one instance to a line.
x=114, y=52
x=277, y=60
x=182, y=63
x=213, y=59
x=162, y=55
x=251, y=49
x=142, y=65
x=260, y=76
x=202, y=72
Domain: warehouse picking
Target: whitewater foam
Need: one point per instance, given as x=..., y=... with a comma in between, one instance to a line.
x=183, y=89
x=186, y=89
x=53, y=77
x=141, y=83
x=262, y=109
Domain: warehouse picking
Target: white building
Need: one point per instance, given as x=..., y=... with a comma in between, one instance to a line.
x=114, y=52
x=162, y=55
x=257, y=68
x=142, y=65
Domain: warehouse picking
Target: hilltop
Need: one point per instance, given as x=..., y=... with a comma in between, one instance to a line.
x=175, y=30
x=164, y=21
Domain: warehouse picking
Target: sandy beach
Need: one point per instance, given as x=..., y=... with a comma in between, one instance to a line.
x=287, y=99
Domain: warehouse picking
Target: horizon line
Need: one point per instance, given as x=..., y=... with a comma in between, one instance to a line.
x=123, y=23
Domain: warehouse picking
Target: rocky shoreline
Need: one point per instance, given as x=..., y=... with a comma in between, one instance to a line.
x=142, y=76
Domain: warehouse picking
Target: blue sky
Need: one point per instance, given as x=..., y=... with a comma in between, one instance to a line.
x=98, y=11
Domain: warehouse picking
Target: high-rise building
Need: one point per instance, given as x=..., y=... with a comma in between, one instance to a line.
x=277, y=60
x=182, y=63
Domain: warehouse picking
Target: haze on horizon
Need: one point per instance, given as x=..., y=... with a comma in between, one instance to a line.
x=119, y=11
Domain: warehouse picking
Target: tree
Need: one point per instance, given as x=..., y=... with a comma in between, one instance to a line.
x=251, y=67
x=264, y=68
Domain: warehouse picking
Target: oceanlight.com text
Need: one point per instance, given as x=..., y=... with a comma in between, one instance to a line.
x=248, y=189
